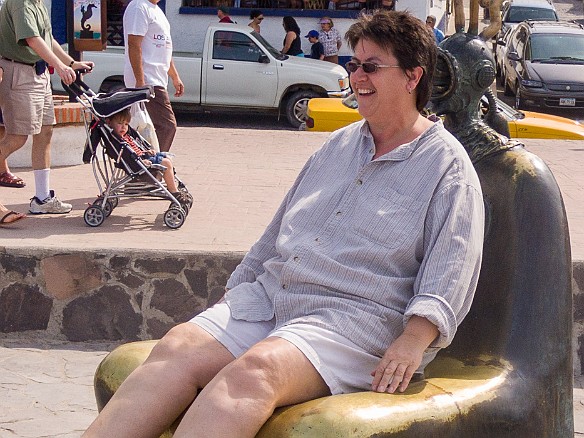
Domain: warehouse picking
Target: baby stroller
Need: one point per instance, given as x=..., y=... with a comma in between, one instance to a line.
x=118, y=170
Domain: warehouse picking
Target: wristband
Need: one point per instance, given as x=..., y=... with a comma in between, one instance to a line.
x=71, y=63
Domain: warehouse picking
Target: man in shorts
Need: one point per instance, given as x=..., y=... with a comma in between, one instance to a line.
x=149, y=62
x=27, y=46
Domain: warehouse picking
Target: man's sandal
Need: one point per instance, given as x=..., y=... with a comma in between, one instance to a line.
x=5, y=219
x=7, y=179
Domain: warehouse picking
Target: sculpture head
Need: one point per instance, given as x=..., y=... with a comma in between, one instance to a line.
x=465, y=69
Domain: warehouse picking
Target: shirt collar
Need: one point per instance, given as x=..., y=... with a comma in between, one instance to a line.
x=400, y=153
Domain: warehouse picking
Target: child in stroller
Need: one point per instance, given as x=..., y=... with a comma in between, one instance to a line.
x=123, y=162
x=120, y=122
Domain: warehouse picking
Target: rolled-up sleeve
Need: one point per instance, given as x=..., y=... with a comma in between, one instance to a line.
x=449, y=272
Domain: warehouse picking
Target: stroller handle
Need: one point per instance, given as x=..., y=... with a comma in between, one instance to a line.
x=77, y=88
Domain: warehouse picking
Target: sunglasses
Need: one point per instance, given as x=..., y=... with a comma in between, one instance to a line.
x=260, y=18
x=368, y=67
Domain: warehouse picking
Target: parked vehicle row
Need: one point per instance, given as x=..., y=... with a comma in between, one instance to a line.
x=543, y=65
x=516, y=11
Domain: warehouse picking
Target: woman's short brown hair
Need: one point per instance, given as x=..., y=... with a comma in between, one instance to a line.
x=406, y=37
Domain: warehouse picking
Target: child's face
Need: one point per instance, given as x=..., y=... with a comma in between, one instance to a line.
x=120, y=127
x=312, y=39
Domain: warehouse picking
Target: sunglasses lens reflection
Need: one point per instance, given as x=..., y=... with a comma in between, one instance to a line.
x=368, y=67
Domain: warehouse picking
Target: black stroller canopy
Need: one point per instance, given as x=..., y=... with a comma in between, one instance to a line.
x=106, y=104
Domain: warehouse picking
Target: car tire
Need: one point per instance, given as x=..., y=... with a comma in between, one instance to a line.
x=297, y=106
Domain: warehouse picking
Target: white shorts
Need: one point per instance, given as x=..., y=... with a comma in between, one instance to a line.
x=344, y=366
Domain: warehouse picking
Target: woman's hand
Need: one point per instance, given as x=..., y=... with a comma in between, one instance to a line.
x=404, y=356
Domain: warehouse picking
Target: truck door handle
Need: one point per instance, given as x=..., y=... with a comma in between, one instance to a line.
x=218, y=67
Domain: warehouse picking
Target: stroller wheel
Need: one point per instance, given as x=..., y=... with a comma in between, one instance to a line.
x=174, y=217
x=114, y=202
x=107, y=208
x=94, y=215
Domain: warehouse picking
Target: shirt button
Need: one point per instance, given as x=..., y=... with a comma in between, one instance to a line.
x=317, y=240
x=296, y=258
x=338, y=213
x=284, y=286
x=359, y=182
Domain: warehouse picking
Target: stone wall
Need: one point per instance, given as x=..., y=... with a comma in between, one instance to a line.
x=97, y=295
x=81, y=296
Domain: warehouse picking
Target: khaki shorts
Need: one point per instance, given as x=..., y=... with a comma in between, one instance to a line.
x=26, y=99
x=344, y=366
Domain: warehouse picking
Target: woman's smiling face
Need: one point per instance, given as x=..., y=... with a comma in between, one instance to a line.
x=380, y=93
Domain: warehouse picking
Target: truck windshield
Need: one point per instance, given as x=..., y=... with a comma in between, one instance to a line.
x=275, y=53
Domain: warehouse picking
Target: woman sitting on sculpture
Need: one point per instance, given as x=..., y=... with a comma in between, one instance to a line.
x=364, y=273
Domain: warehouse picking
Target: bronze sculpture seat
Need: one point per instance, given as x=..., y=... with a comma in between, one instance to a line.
x=508, y=371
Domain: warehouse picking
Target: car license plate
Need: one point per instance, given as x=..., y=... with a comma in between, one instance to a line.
x=567, y=101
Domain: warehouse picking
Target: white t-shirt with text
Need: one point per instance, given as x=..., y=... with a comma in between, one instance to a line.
x=146, y=19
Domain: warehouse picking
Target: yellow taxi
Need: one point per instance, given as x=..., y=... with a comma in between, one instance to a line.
x=326, y=114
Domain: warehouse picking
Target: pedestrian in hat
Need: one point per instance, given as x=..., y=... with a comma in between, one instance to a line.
x=223, y=15
x=330, y=39
x=316, y=50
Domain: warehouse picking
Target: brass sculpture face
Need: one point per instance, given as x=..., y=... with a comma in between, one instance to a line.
x=464, y=72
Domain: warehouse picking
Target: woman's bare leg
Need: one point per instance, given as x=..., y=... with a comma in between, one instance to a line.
x=243, y=395
x=158, y=391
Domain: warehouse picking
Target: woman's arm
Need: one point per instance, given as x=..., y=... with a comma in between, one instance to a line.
x=290, y=37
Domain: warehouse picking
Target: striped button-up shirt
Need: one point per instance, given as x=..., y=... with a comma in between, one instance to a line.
x=359, y=245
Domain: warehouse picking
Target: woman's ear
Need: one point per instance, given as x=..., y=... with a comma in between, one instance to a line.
x=414, y=76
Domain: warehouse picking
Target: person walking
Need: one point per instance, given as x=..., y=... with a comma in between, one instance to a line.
x=149, y=62
x=27, y=47
x=330, y=39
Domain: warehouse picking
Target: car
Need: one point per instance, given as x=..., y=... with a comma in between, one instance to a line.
x=500, y=51
x=544, y=66
x=516, y=11
x=325, y=114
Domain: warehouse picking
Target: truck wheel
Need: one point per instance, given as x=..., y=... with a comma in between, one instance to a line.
x=297, y=105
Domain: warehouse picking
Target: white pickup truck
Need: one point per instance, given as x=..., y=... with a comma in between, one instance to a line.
x=238, y=69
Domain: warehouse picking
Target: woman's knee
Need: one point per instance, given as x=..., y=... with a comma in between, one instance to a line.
x=195, y=352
